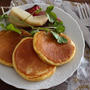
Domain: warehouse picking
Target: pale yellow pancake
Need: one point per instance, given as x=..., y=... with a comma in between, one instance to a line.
x=27, y=63
x=8, y=41
x=52, y=52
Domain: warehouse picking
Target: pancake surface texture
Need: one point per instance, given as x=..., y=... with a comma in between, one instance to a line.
x=52, y=52
x=27, y=63
x=8, y=41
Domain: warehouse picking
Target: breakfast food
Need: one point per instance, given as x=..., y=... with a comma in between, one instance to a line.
x=8, y=41
x=28, y=18
x=52, y=52
x=27, y=63
x=33, y=42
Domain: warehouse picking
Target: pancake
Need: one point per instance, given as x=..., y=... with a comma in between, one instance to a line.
x=27, y=63
x=8, y=41
x=52, y=52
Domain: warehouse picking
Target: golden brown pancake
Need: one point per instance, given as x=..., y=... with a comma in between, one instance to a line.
x=52, y=52
x=27, y=63
x=8, y=41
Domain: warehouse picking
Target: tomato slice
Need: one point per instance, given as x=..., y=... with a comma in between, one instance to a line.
x=33, y=9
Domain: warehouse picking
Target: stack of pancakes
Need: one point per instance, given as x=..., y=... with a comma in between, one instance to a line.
x=34, y=58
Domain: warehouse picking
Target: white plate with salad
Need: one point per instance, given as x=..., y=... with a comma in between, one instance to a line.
x=63, y=72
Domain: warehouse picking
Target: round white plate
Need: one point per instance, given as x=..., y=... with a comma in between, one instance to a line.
x=63, y=72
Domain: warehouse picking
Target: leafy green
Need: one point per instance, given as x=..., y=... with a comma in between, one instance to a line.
x=56, y=23
x=60, y=29
x=64, y=40
x=51, y=16
x=59, y=38
x=33, y=32
x=59, y=26
x=12, y=28
x=2, y=25
x=49, y=9
x=8, y=26
x=38, y=11
x=43, y=28
x=4, y=16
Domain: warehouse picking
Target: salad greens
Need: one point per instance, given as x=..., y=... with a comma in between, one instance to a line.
x=55, y=29
x=51, y=15
x=38, y=11
x=4, y=16
x=57, y=25
x=59, y=39
x=49, y=9
x=10, y=27
x=33, y=32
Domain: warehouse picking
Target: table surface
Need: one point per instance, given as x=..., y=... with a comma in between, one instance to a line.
x=4, y=86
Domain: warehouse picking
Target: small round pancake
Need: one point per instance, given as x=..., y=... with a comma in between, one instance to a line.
x=27, y=63
x=8, y=41
x=52, y=52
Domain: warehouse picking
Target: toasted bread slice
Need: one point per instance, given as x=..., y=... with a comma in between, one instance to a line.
x=8, y=41
x=20, y=17
x=52, y=52
x=27, y=63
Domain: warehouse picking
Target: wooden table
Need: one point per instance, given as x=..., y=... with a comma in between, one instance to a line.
x=4, y=86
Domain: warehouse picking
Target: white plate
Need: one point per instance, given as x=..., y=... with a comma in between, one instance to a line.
x=63, y=72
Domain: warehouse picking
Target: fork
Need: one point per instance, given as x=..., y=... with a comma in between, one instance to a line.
x=83, y=27
x=84, y=13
